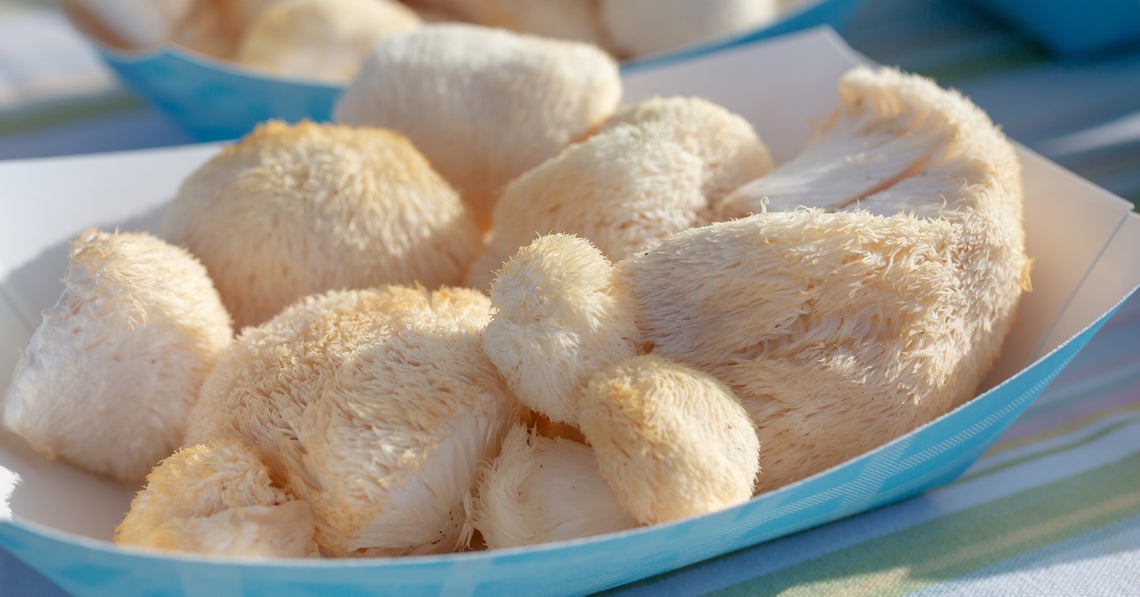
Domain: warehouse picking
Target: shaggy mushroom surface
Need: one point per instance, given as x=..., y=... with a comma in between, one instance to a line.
x=109, y=376
x=844, y=325
x=652, y=170
x=218, y=499
x=483, y=105
x=323, y=40
x=640, y=28
x=375, y=406
x=558, y=318
x=863, y=288
x=543, y=489
x=295, y=209
x=670, y=441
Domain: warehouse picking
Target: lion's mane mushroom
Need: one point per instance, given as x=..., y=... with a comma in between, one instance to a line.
x=108, y=377
x=559, y=316
x=375, y=406
x=654, y=169
x=218, y=499
x=574, y=20
x=645, y=27
x=483, y=105
x=541, y=490
x=215, y=27
x=320, y=39
x=727, y=145
x=842, y=330
x=292, y=210
x=670, y=441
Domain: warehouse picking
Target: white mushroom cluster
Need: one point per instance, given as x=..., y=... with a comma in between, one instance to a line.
x=518, y=313
x=863, y=289
x=374, y=406
x=327, y=40
x=322, y=40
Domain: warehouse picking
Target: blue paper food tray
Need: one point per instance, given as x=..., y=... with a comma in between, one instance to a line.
x=58, y=520
x=216, y=100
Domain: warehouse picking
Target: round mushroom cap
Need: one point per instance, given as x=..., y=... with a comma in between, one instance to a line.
x=320, y=39
x=841, y=330
x=727, y=145
x=670, y=441
x=293, y=210
x=483, y=105
x=558, y=318
x=218, y=499
x=653, y=170
x=375, y=406
x=541, y=490
x=108, y=377
x=644, y=27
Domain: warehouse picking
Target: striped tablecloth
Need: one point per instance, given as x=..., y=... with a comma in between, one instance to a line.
x=1052, y=509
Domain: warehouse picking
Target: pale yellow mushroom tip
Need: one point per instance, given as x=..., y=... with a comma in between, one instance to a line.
x=217, y=498
x=546, y=344
x=670, y=441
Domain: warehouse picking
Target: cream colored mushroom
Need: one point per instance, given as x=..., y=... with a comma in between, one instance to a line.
x=215, y=27
x=375, y=406
x=653, y=170
x=576, y=20
x=559, y=317
x=483, y=105
x=730, y=151
x=840, y=331
x=126, y=24
x=670, y=441
x=217, y=499
x=541, y=490
x=108, y=377
x=320, y=39
x=292, y=210
x=644, y=27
